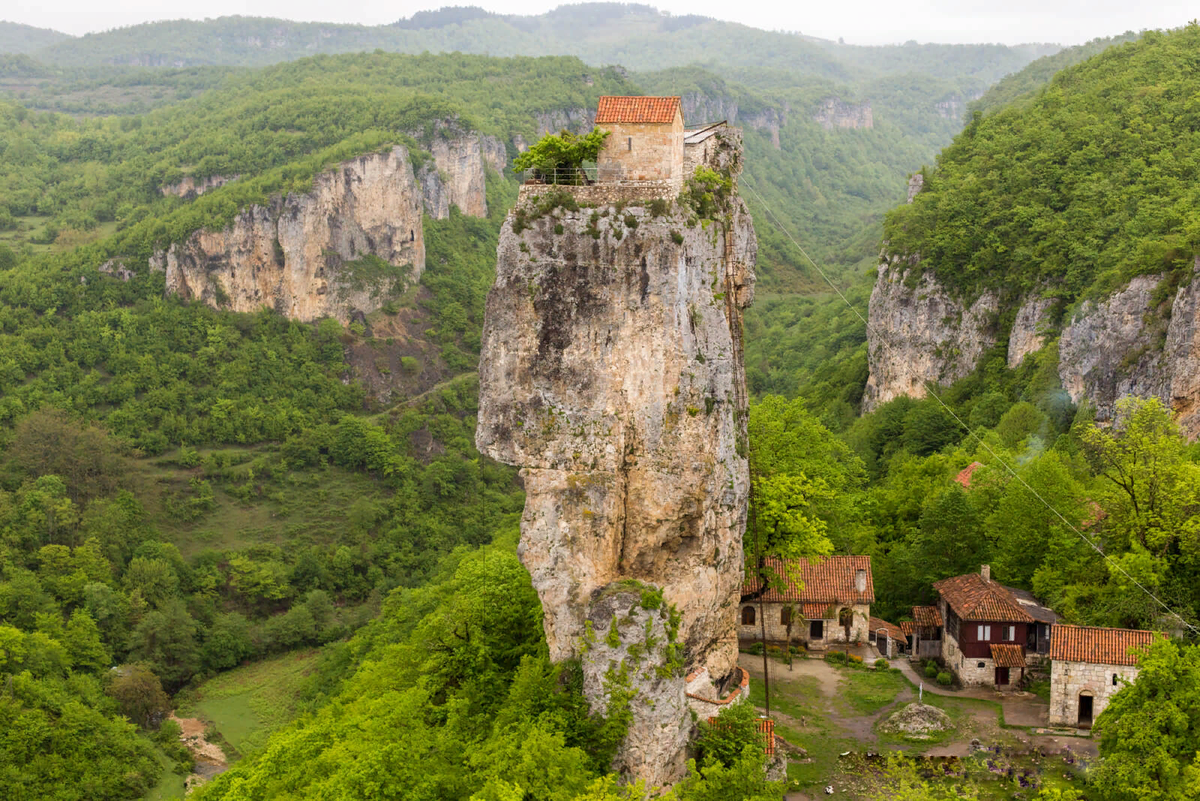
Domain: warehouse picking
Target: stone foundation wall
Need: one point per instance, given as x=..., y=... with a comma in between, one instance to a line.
x=967, y=668
x=1069, y=679
x=607, y=193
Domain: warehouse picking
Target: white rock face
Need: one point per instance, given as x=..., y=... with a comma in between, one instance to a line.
x=612, y=373
x=921, y=335
x=301, y=255
x=1111, y=349
x=1029, y=329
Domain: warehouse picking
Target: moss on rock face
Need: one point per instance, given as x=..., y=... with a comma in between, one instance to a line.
x=633, y=673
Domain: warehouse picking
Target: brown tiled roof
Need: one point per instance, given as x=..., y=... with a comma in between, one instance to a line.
x=637, y=109
x=893, y=631
x=1098, y=645
x=927, y=616
x=829, y=580
x=972, y=597
x=907, y=627
x=1008, y=654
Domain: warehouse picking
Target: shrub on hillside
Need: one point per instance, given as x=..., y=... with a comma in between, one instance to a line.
x=944, y=679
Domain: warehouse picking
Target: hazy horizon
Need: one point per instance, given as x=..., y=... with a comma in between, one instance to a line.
x=866, y=22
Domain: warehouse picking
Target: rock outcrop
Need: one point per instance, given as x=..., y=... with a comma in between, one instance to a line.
x=611, y=372
x=1029, y=329
x=833, y=112
x=346, y=245
x=1126, y=345
x=631, y=655
x=190, y=188
x=921, y=334
x=1134, y=342
x=457, y=177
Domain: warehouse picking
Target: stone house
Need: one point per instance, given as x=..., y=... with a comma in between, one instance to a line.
x=813, y=597
x=1089, y=665
x=645, y=140
x=989, y=635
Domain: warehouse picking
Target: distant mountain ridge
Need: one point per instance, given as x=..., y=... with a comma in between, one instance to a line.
x=16, y=37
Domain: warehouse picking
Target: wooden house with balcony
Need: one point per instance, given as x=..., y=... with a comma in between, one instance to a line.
x=990, y=634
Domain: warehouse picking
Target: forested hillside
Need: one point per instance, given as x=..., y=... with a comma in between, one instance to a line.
x=184, y=489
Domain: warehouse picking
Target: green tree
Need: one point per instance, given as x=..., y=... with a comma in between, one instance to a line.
x=559, y=158
x=1150, y=729
x=140, y=695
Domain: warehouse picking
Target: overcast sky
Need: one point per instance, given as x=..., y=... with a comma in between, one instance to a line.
x=857, y=21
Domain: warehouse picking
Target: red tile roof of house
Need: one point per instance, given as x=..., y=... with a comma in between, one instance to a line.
x=964, y=476
x=1008, y=654
x=1097, y=645
x=906, y=626
x=829, y=580
x=637, y=109
x=893, y=631
x=972, y=597
x=927, y=616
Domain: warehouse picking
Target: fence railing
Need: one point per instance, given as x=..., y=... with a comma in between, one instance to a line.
x=571, y=176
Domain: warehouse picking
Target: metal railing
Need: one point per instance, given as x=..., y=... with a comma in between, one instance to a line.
x=571, y=176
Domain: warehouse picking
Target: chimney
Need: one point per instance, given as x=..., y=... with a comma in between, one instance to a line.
x=860, y=580
x=986, y=572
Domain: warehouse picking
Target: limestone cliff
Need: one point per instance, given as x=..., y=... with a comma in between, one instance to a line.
x=190, y=188
x=1141, y=340
x=457, y=174
x=611, y=373
x=1126, y=345
x=921, y=334
x=345, y=245
x=833, y=112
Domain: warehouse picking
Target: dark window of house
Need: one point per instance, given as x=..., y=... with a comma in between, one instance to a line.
x=785, y=616
x=630, y=143
x=1114, y=679
x=747, y=615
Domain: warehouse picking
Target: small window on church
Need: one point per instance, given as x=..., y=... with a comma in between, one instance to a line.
x=1114, y=679
x=629, y=142
x=747, y=615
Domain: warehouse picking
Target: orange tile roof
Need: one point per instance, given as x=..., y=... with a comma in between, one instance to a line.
x=964, y=477
x=1008, y=654
x=829, y=580
x=637, y=109
x=972, y=597
x=1098, y=645
x=893, y=631
x=927, y=616
x=819, y=611
x=906, y=626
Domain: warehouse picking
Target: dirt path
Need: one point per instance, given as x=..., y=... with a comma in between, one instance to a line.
x=209, y=758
